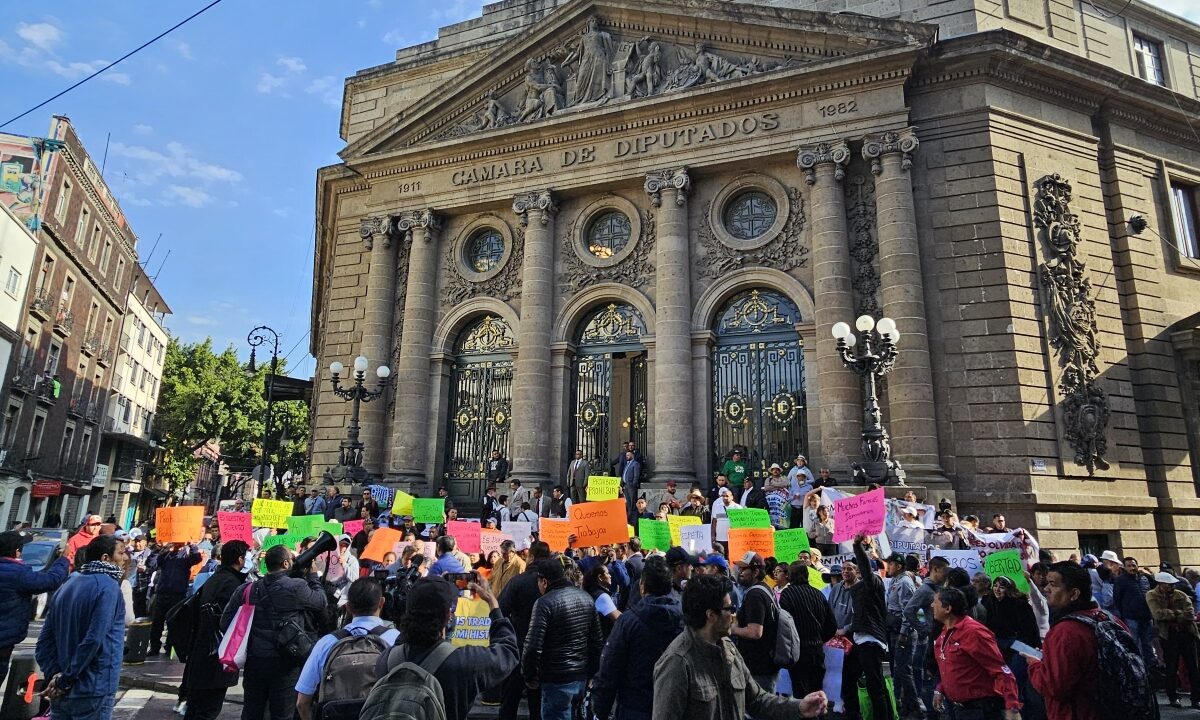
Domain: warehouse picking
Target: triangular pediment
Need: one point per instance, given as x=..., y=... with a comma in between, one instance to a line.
x=600, y=54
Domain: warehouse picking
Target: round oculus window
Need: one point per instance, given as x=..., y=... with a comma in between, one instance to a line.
x=750, y=215
x=484, y=250
x=608, y=234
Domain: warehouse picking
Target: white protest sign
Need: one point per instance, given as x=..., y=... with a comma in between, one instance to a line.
x=519, y=532
x=969, y=560
x=696, y=538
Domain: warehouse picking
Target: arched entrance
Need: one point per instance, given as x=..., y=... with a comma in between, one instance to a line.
x=480, y=405
x=609, y=392
x=758, y=381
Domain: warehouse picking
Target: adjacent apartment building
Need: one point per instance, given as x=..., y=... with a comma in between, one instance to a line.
x=67, y=367
x=18, y=245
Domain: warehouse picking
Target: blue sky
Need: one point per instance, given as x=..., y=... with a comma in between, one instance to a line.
x=217, y=132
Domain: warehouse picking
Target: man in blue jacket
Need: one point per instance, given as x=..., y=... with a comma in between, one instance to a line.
x=171, y=581
x=80, y=645
x=1129, y=602
x=18, y=584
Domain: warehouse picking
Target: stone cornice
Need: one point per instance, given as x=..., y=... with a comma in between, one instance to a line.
x=97, y=203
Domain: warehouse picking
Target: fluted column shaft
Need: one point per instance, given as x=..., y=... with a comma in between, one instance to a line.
x=531, y=376
x=839, y=388
x=377, y=334
x=672, y=456
x=410, y=425
x=912, y=419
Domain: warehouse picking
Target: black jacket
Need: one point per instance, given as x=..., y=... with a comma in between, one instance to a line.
x=1012, y=618
x=638, y=639
x=564, y=641
x=277, y=598
x=497, y=470
x=870, y=606
x=203, y=671
x=810, y=612
x=518, y=599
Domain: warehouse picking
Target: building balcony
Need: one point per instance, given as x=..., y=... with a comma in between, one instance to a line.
x=104, y=356
x=48, y=390
x=64, y=322
x=25, y=379
x=42, y=305
x=90, y=345
x=91, y=413
x=77, y=406
x=124, y=343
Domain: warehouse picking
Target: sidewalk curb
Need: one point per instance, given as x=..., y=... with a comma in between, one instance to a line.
x=132, y=682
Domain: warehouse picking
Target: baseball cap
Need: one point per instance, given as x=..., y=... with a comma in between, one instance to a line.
x=831, y=571
x=121, y=534
x=344, y=538
x=751, y=559
x=726, y=491
x=1166, y=578
x=895, y=558
x=715, y=559
x=1110, y=556
x=679, y=556
x=135, y=533
x=11, y=541
x=908, y=510
x=672, y=482
x=432, y=592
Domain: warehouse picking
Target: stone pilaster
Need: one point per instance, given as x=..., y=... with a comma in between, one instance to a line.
x=530, y=440
x=840, y=388
x=377, y=334
x=672, y=455
x=410, y=425
x=912, y=421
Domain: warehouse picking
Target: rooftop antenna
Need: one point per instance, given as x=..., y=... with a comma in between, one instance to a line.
x=160, y=267
x=104, y=161
x=154, y=247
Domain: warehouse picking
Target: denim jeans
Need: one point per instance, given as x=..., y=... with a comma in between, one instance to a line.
x=82, y=708
x=558, y=699
x=902, y=675
x=1143, y=632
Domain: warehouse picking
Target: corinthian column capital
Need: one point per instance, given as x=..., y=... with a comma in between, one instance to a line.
x=834, y=153
x=406, y=222
x=660, y=180
x=536, y=201
x=893, y=141
x=372, y=227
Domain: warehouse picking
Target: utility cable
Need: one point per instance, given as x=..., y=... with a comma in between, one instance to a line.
x=126, y=56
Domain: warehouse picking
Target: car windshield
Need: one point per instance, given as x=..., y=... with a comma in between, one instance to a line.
x=37, y=553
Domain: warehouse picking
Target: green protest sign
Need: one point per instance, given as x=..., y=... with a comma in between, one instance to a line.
x=1007, y=563
x=655, y=534
x=789, y=544
x=429, y=510
x=740, y=518
x=305, y=525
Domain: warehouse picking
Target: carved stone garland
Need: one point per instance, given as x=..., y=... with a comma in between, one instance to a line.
x=783, y=253
x=505, y=285
x=860, y=214
x=1073, y=332
x=634, y=271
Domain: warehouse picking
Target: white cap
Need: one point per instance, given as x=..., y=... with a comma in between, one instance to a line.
x=1110, y=556
x=1166, y=578
x=908, y=510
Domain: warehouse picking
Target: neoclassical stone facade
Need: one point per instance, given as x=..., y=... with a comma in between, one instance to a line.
x=569, y=224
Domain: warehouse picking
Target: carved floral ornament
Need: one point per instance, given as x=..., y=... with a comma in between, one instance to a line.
x=661, y=180
x=1072, y=320
x=837, y=154
x=538, y=201
x=597, y=67
x=903, y=141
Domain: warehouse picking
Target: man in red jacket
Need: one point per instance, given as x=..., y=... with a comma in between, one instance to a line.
x=80, y=540
x=975, y=680
x=1066, y=674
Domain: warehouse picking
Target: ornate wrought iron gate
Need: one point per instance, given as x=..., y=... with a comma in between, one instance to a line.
x=758, y=381
x=480, y=406
x=609, y=347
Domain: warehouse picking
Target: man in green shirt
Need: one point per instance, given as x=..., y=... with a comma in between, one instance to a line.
x=735, y=469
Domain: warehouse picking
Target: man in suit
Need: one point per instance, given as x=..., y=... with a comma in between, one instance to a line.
x=630, y=480
x=577, y=476
x=540, y=504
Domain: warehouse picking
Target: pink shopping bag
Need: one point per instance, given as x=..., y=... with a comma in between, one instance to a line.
x=232, y=650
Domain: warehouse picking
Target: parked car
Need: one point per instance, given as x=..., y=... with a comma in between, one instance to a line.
x=37, y=555
x=54, y=534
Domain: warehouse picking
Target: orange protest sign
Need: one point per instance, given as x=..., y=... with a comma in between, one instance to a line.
x=179, y=524
x=554, y=533
x=599, y=523
x=744, y=540
x=382, y=542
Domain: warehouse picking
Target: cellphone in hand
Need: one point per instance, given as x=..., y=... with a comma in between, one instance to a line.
x=462, y=580
x=1024, y=649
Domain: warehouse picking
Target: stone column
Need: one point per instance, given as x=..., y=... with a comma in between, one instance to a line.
x=376, y=335
x=531, y=376
x=840, y=389
x=672, y=456
x=912, y=420
x=410, y=426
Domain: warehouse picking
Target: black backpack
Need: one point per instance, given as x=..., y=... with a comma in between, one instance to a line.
x=1123, y=689
x=349, y=674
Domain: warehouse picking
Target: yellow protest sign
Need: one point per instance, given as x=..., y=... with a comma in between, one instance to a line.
x=403, y=504
x=472, y=623
x=603, y=487
x=677, y=521
x=270, y=513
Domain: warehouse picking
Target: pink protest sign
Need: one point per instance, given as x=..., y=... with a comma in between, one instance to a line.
x=352, y=527
x=858, y=515
x=490, y=540
x=466, y=533
x=235, y=526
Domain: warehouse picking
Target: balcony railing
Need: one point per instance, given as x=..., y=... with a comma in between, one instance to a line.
x=42, y=304
x=25, y=379
x=90, y=344
x=104, y=356
x=46, y=390
x=92, y=412
x=78, y=406
x=124, y=343
x=64, y=322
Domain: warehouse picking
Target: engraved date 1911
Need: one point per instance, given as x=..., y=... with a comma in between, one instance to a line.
x=841, y=108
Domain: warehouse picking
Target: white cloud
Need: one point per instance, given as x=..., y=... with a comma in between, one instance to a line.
x=328, y=88
x=201, y=320
x=291, y=64
x=41, y=35
x=76, y=70
x=190, y=196
x=185, y=51
x=141, y=129
x=268, y=84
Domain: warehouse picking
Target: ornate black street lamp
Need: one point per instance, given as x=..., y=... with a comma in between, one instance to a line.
x=349, y=467
x=259, y=336
x=871, y=360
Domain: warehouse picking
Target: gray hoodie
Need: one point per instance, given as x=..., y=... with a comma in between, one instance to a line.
x=922, y=599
